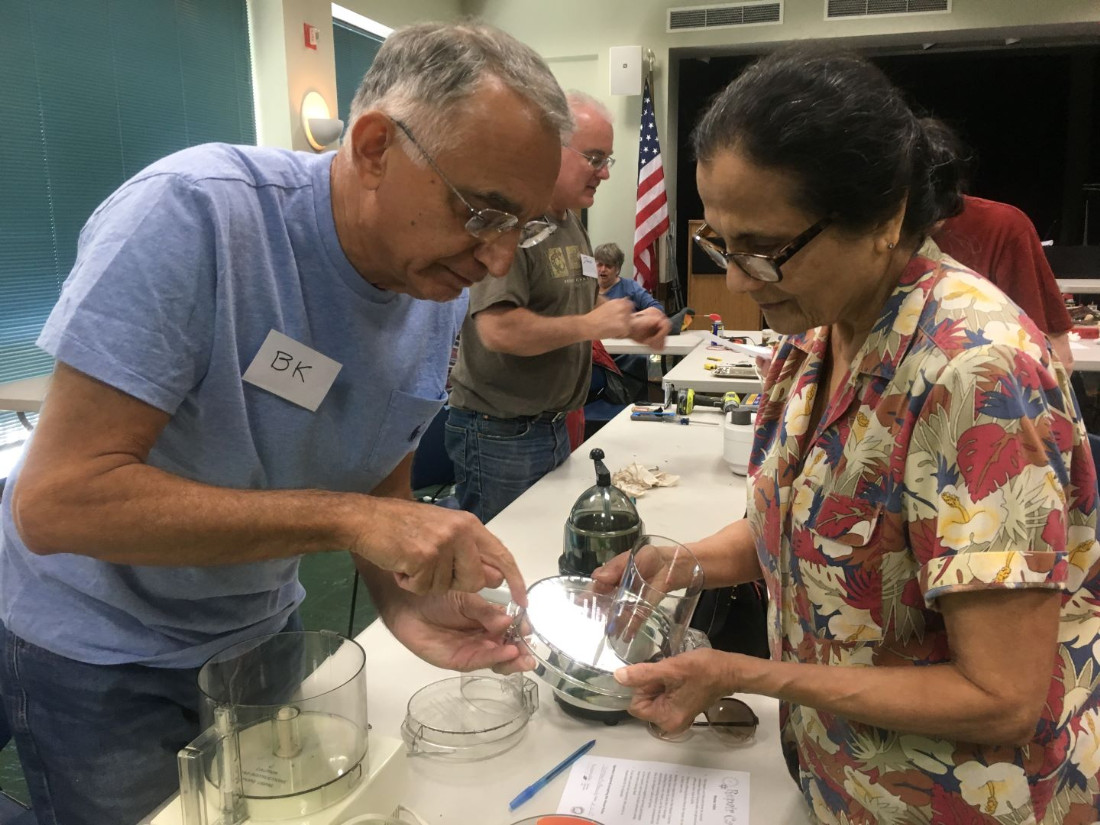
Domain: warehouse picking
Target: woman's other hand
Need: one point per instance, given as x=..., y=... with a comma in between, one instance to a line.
x=672, y=692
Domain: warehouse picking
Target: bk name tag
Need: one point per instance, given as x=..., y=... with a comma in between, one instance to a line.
x=292, y=371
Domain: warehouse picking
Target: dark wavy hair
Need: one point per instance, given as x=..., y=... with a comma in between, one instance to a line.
x=844, y=132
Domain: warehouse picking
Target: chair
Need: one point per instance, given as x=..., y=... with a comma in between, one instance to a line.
x=1090, y=409
x=676, y=322
x=1094, y=443
x=13, y=812
x=598, y=412
x=431, y=466
x=635, y=376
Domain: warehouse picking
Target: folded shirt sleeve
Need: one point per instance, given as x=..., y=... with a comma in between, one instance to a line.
x=988, y=482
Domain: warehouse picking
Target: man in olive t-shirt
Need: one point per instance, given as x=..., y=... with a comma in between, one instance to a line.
x=525, y=356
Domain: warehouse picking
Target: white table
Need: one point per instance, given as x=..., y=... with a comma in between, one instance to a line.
x=707, y=497
x=691, y=374
x=1086, y=355
x=25, y=395
x=1080, y=286
x=680, y=344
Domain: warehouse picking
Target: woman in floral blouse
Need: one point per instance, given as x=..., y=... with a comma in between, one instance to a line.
x=922, y=502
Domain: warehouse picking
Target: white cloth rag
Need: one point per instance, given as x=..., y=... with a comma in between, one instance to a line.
x=636, y=479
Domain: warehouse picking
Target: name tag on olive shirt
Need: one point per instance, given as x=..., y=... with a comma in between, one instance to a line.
x=588, y=266
x=292, y=371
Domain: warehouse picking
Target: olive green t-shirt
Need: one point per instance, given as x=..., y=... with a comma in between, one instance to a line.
x=546, y=279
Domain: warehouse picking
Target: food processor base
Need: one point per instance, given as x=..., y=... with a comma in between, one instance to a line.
x=590, y=713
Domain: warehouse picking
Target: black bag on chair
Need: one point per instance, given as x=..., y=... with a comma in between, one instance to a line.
x=615, y=388
x=735, y=619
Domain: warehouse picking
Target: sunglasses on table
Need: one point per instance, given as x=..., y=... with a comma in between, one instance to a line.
x=758, y=266
x=732, y=721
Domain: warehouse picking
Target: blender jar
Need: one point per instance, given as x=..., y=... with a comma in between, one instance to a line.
x=284, y=729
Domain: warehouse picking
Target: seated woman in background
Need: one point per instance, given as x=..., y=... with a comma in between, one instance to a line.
x=609, y=263
x=922, y=499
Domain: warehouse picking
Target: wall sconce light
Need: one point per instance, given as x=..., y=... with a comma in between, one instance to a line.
x=320, y=127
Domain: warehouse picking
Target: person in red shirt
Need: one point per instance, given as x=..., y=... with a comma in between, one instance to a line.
x=999, y=241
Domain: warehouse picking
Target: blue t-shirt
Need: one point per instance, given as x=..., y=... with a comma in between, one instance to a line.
x=180, y=275
x=625, y=288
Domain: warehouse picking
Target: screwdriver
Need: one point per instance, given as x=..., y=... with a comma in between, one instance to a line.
x=666, y=415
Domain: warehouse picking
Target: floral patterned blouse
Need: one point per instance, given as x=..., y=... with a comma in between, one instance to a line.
x=953, y=458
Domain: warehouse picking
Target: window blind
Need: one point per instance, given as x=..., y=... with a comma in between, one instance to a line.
x=355, y=50
x=94, y=91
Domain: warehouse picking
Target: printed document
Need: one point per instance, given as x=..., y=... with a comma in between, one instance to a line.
x=630, y=792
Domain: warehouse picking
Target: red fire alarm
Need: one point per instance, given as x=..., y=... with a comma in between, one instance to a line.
x=311, y=35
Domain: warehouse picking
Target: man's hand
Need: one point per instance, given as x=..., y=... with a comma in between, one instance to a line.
x=611, y=319
x=458, y=631
x=433, y=549
x=672, y=692
x=649, y=327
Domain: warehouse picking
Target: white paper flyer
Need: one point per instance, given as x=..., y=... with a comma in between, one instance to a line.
x=630, y=792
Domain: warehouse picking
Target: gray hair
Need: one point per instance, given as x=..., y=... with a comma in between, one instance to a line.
x=423, y=72
x=582, y=100
x=609, y=254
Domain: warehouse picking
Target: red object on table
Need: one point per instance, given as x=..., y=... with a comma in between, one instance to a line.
x=1087, y=332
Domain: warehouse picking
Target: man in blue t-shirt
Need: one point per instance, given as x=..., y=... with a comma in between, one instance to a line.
x=248, y=348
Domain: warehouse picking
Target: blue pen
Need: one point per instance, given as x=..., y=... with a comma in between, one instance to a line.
x=543, y=781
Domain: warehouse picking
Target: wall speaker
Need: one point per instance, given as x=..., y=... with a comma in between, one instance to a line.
x=625, y=66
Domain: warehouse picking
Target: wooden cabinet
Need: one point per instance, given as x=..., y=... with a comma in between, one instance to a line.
x=707, y=293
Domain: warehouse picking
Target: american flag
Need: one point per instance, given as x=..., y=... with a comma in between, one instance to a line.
x=651, y=209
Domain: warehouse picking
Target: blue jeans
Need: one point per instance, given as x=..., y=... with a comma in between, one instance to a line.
x=497, y=459
x=97, y=743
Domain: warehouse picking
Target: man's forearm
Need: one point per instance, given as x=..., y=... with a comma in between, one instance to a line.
x=381, y=584
x=128, y=512
x=519, y=331
x=140, y=515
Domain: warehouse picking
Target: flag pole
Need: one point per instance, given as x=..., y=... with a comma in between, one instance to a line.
x=676, y=300
x=651, y=206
